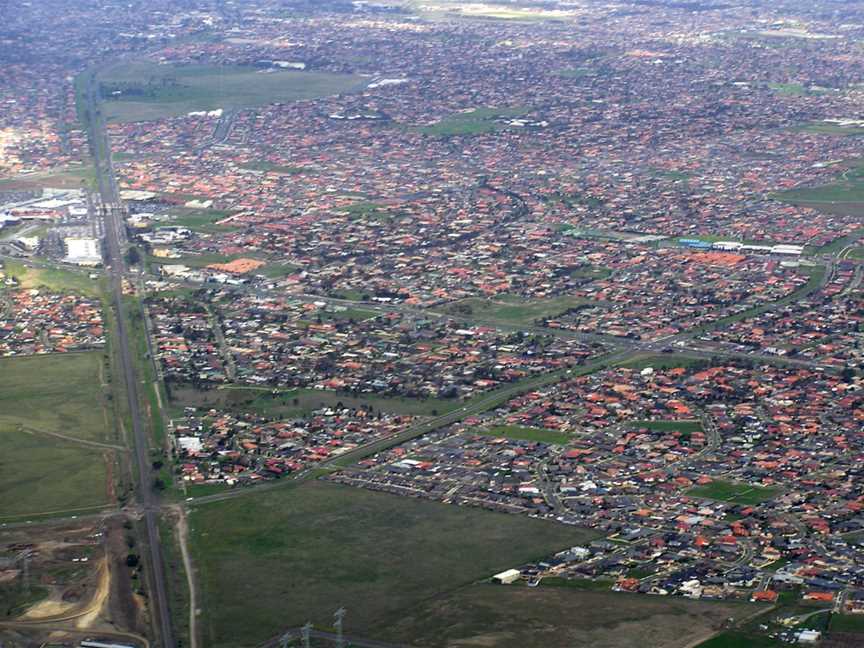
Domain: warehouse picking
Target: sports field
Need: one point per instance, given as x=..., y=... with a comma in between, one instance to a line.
x=276, y=559
x=685, y=427
x=56, y=433
x=508, y=309
x=145, y=91
x=479, y=121
x=731, y=492
x=522, y=433
x=201, y=220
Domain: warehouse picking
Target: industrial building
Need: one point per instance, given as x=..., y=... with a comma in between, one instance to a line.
x=83, y=251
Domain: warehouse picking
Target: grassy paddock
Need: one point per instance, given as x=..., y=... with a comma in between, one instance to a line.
x=42, y=397
x=53, y=279
x=58, y=393
x=300, y=402
x=556, y=617
x=40, y=475
x=847, y=623
x=300, y=553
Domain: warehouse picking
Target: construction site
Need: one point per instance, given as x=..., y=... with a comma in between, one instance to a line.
x=75, y=584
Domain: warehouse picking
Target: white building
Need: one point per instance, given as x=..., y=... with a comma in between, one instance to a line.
x=507, y=577
x=83, y=251
x=796, y=250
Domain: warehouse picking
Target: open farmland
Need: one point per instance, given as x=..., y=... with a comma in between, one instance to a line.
x=522, y=617
x=149, y=91
x=56, y=434
x=301, y=552
x=44, y=475
x=57, y=394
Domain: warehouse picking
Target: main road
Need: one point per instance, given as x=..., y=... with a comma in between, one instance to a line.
x=112, y=210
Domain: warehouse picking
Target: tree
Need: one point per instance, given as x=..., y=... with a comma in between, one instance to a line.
x=133, y=256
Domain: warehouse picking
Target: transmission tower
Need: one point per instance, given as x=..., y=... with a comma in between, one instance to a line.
x=339, y=617
x=307, y=635
x=26, y=573
x=285, y=640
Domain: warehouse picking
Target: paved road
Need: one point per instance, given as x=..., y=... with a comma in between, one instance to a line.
x=113, y=213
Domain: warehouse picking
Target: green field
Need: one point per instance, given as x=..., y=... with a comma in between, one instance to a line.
x=42, y=475
x=557, y=617
x=299, y=402
x=479, y=121
x=845, y=192
x=852, y=623
x=277, y=559
x=685, y=427
x=731, y=492
x=176, y=582
x=52, y=279
x=58, y=393
x=51, y=406
x=844, y=196
x=66, y=178
x=796, y=89
x=510, y=309
x=201, y=220
x=525, y=434
x=824, y=128
x=149, y=91
x=663, y=362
